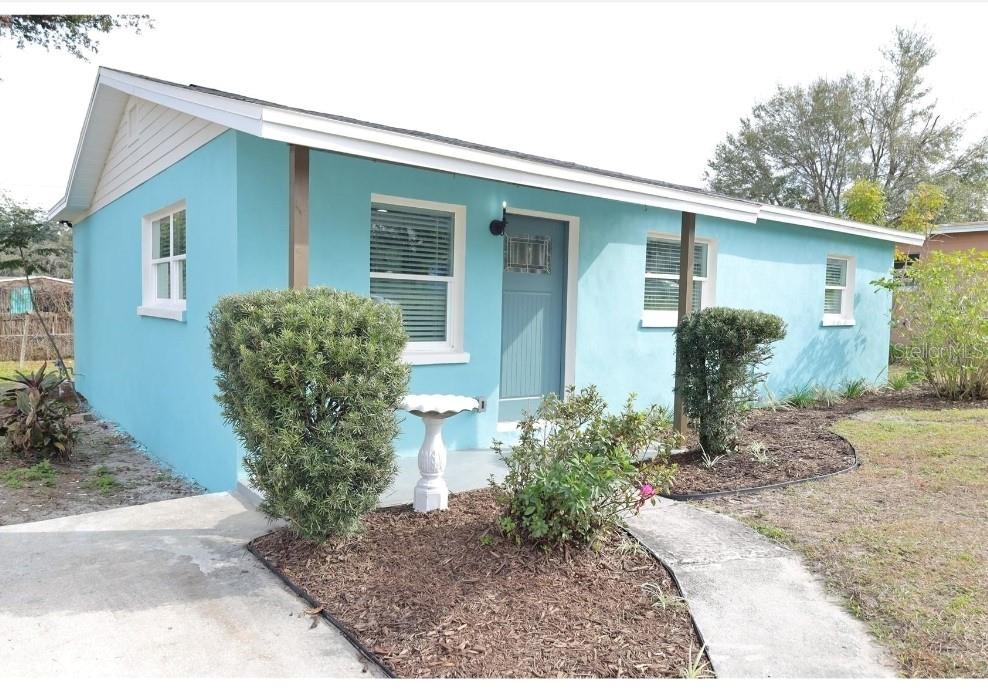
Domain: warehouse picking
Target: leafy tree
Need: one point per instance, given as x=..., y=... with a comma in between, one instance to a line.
x=865, y=202
x=806, y=145
x=923, y=208
x=798, y=149
x=71, y=33
x=27, y=241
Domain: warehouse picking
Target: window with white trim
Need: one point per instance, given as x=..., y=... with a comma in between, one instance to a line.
x=164, y=263
x=416, y=263
x=838, y=293
x=661, y=302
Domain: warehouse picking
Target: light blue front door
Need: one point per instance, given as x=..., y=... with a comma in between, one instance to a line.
x=532, y=314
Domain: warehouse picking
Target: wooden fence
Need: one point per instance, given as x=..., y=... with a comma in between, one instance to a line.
x=21, y=334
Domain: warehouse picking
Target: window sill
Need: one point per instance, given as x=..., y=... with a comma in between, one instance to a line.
x=659, y=319
x=435, y=358
x=171, y=313
x=836, y=321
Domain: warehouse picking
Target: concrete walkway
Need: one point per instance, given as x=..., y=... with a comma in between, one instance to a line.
x=163, y=589
x=761, y=613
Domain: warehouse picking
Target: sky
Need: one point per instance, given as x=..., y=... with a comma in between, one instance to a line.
x=647, y=89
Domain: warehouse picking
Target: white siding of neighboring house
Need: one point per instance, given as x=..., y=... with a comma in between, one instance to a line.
x=149, y=139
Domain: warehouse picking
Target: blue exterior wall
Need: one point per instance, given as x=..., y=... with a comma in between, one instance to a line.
x=154, y=377
x=766, y=266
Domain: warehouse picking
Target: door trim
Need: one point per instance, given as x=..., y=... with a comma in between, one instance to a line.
x=572, y=283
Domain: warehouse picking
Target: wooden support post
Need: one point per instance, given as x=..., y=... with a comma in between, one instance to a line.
x=687, y=242
x=298, y=222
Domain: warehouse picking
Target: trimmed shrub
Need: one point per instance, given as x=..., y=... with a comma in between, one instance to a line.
x=719, y=351
x=943, y=303
x=311, y=380
x=575, y=469
x=37, y=419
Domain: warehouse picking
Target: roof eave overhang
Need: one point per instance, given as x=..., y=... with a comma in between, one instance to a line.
x=800, y=218
x=967, y=227
x=367, y=141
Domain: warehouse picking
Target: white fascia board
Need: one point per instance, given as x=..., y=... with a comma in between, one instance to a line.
x=60, y=210
x=829, y=223
x=368, y=142
x=234, y=114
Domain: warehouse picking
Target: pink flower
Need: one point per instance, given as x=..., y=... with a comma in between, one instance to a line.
x=647, y=491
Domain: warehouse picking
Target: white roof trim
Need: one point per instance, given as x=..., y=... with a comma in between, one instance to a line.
x=784, y=215
x=36, y=277
x=306, y=129
x=966, y=227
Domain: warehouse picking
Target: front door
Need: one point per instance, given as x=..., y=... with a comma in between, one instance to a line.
x=533, y=309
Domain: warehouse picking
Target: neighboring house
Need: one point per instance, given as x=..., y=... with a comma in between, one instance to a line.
x=948, y=238
x=181, y=194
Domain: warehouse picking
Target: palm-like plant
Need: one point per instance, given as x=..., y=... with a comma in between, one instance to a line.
x=36, y=419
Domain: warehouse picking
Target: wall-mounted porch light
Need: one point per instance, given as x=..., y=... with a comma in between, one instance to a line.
x=498, y=225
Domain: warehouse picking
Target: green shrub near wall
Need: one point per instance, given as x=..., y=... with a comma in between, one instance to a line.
x=943, y=303
x=311, y=380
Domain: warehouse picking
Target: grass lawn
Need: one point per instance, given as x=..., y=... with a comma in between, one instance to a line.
x=904, y=539
x=9, y=367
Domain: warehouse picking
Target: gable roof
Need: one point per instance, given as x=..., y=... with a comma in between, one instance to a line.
x=341, y=134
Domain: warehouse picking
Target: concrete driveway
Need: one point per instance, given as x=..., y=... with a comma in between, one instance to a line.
x=163, y=589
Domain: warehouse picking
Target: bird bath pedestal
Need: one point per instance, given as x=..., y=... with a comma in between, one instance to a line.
x=431, y=491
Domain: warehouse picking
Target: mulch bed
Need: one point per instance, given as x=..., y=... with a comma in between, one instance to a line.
x=798, y=444
x=441, y=595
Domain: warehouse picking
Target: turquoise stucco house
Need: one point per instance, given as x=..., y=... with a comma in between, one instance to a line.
x=180, y=194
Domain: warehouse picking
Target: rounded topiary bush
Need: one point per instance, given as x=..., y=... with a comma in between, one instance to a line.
x=311, y=380
x=718, y=353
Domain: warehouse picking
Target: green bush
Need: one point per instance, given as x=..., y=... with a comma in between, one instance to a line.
x=310, y=381
x=942, y=301
x=718, y=351
x=37, y=419
x=575, y=468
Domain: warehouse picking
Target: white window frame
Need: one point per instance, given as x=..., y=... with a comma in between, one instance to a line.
x=670, y=319
x=846, y=316
x=172, y=308
x=452, y=350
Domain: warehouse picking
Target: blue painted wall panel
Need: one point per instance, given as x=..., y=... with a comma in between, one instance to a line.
x=152, y=376
x=767, y=266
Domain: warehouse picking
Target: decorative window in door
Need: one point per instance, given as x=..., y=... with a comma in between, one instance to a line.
x=527, y=254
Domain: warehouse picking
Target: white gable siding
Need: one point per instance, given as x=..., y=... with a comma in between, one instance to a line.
x=149, y=138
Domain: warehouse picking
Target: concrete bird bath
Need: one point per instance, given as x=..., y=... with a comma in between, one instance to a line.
x=431, y=491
